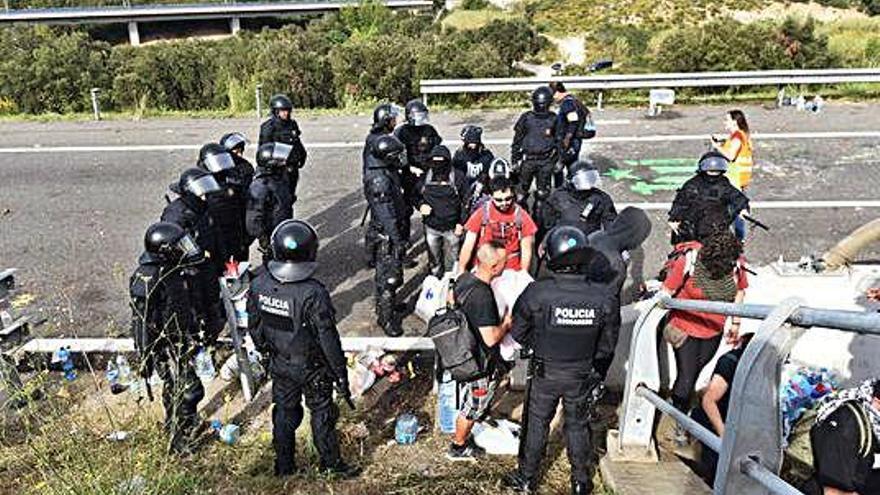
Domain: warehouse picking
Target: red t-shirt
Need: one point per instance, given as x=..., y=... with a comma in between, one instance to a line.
x=503, y=227
x=696, y=324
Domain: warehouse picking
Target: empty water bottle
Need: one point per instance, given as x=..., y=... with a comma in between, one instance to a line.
x=446, y=410
x=204, y=365
x=124, y=370
x=113, y=377
x=241, y=314
x=407, y=429
x=66, y=363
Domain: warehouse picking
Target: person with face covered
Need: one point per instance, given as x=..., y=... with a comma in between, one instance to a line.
x=473, y=158
x=579, y=203
x=269, y=200
x=443, y=192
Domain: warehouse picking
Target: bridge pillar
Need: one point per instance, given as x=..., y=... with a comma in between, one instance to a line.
x=235, y=25
x=134, y=37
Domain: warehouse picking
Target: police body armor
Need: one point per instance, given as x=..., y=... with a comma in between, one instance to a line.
x=539, y=140
x=271, y=203
x=228, y=210
x=419, y=141
x=577, y=210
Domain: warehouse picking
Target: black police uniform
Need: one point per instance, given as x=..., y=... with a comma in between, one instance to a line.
x=534, y=149
x=571, y=130
x=294, y=324
x=703, y=204
x=276, y=130
x=419, y=141
x=228, y=208
x=563, y=319
x=191, y=213
x=385, y=236
x=269, y=203
x=165, y=330
x=588, y=210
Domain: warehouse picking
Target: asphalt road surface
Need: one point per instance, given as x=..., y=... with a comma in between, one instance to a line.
x=75, y=197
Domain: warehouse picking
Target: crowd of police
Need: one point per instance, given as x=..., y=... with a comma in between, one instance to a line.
x=545, y=194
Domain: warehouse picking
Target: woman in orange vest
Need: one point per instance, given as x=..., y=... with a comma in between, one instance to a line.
x=737, y=148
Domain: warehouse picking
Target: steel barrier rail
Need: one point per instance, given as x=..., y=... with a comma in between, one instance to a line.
x=751, y=451
x=97, y=15
x=647, y=81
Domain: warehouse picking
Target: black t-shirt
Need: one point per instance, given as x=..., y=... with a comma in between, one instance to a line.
x=477, y=302
x=726, y=368
x=844, y=447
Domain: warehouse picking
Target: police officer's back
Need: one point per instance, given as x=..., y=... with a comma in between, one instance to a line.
x=706, y=202
x=579, y=203
x=534, y=152
x=563, y=319
x=385, y=237
x=282, y=128
x=292, y=320
x=269, y=199
x=227, y=207
x=164, y=327
x=574, y=124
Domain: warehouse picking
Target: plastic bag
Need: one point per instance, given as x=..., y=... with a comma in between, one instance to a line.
x=432, y=296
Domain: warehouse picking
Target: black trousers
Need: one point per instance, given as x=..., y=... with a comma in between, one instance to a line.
x=539, y=171
x=550, y=383
x=287, y=414
x=690, y=359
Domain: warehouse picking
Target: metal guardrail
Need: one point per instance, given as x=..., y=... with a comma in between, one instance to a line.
x=93, y=15
x=751, y=450
x=647, y=81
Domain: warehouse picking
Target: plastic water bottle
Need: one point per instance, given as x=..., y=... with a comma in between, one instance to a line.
x=113, y=377
x=241, y=314
x=446, y=410
x=407, y=429
x=204, y=365
x=66, y=363
x=123, y=369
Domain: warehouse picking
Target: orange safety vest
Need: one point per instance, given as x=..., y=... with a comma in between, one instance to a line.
x=740, y=171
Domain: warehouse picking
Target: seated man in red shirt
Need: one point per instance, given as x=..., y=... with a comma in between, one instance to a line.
x=503, y=220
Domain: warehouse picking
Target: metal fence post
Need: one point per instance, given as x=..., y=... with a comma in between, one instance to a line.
x=96, y=110
x=754, y=419
x=258, y=94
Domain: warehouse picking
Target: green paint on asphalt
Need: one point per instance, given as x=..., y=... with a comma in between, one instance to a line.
x=666, y=174
x=621, y=174
x=658, y=161
x=674, y=179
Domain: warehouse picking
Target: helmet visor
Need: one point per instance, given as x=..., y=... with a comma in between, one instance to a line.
x=419, y=117
x=219, y=162
x=714, y=164
x=203, y=185
x=234, y=140
x=188, y=247
x=584, y=180
x=281, y=152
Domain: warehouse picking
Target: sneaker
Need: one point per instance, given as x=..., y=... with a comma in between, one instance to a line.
x=470, y=451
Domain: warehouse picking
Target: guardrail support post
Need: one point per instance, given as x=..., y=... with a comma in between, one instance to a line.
x=754, y=424
x=235, y=25
x=599, y=96
x=134, y=37
x=96, y=110
x=258, y=94
x=425, y=98
x=780, y=96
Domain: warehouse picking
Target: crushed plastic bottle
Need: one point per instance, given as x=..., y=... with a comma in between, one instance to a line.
x=125, y=377
x=446, y=410
x=204, y=365
x=113, y=377
x=66, y=361
x=407, y=429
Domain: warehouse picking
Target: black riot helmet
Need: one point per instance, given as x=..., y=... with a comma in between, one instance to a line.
x=416, y=113
x=713, y=161
x=280, y=102
x=542, y=98
x=197, y=182
x=167, y=242
x=583, y=175
x=273, y=155
x=294, y=250
x=472, y=134
x=567, y=250
x=388, y=150
x=385, y=117
x=215, y=158
x=234, y=141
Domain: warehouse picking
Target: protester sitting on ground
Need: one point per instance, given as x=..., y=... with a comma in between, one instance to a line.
x=501, y=219
x=474, y=296
x=712, y=271
x=712, y=412
x=845, y=442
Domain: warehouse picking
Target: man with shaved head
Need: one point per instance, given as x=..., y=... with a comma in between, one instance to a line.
x=474, y=296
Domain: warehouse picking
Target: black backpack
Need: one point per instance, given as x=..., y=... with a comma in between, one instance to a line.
x=456, y=342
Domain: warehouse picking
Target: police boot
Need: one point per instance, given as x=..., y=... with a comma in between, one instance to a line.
x=519, y=483
x=581, y=488
x=385, y=315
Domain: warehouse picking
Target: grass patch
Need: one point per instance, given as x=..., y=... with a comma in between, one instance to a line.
x=466, y=20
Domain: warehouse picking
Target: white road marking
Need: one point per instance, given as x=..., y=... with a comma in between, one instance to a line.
x=772, y=205
x=359, y=144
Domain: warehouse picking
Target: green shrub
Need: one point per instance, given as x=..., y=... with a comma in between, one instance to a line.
x=380, y=68
x=474, y=4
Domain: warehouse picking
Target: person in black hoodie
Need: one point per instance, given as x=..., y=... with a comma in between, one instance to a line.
x=473, y=158
x=706, y=202
x=443, y=191
x=269, y=200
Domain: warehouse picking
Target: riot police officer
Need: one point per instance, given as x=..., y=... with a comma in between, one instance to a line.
x=282, y=128
x=293, y=322
x=473, y=158
x=190, y=211
x=706, y=202
x=164, y=327
x=574, y=124
x=384, y=122
x=579, y=202
x=269, y=199
x=418, y=137
x=234, y=143
x=563, y=320
x=227, y=207
x=385, y=234
x=534, y=152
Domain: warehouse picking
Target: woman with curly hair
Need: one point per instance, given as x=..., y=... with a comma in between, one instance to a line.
x=712, y=271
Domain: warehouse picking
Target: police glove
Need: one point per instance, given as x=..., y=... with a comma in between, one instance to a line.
x=343, y=390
